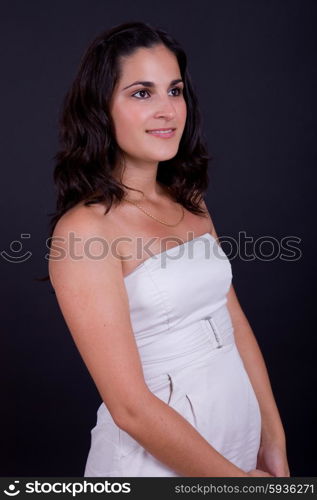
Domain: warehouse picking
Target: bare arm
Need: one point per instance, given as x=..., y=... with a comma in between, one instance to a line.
x=93, y=300
x=272, y=454
x=253, y=360
x=254, y=363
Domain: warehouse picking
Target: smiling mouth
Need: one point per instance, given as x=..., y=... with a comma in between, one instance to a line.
x=162, y=131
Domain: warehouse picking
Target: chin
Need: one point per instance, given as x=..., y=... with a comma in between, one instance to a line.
x=164, y=156
x=161, y=158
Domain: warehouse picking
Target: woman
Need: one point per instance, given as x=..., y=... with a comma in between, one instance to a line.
x=184, y=387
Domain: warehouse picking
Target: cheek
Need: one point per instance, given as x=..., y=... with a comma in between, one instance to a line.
x=129, y=121
x=183, y=111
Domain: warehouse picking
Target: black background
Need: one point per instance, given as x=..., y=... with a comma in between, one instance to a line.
x=254, y=68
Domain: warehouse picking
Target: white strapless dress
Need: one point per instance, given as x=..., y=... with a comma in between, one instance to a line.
x=186, y=343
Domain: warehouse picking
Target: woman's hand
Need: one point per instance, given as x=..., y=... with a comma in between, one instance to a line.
x=272, y=458
x=258, y=473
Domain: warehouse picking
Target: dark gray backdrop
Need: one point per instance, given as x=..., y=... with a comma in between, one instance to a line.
x=254, y=68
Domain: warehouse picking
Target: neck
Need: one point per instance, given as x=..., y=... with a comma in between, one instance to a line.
x=141, y=176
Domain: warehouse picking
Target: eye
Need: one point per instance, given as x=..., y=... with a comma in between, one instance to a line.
x=180, y=91
x=138, y=92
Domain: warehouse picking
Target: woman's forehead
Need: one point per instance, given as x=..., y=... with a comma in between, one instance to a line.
x=145, y=63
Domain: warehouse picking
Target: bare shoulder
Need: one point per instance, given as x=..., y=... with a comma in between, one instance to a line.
x=84, y=218
x=83, y=237
x=203, y=205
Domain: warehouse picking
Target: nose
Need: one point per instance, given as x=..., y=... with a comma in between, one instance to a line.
x=165, y=109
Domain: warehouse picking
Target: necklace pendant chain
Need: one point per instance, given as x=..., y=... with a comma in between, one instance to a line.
x=155, y=218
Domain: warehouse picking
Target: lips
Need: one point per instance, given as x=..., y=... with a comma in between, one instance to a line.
x=161, y=131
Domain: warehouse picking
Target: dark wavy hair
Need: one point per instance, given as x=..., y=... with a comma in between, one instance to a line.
x=89, y=151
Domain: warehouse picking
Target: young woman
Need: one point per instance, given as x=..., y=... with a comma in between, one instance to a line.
x=141, y=280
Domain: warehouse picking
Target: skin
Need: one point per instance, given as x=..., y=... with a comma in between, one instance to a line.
x=135, y=110
x=272, y=456
x=94, y=302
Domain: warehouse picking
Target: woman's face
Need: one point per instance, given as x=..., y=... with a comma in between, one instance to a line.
x=141, y=108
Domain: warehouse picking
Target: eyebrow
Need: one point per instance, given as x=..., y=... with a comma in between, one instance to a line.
x=151, y=84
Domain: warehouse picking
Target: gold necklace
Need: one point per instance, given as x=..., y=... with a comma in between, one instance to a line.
x=158, y=220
